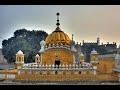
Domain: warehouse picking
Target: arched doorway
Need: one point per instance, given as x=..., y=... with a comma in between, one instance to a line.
x=57, y=62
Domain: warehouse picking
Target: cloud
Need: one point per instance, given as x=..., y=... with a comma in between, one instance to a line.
x=84, y=21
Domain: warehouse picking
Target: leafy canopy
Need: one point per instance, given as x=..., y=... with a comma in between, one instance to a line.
x=25, y=40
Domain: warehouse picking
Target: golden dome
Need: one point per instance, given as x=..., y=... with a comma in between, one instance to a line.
x=57, y=36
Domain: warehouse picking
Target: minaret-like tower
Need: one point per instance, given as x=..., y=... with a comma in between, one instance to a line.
x=73, y=45
x=98, y=41
x=37, y=59
x=93, y=56
x=82, y=58
x=72, y=37
x=94, y=59
x=73, y=49
x=42, y=44
x=19, y=59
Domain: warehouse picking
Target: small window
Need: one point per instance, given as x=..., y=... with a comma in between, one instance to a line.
x=83, y=72
x=17, y=58
x=79, y=72
x=37, y=59
x=56, y=72
x=36, y=72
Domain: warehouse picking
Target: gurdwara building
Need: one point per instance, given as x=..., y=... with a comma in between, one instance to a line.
x=56, y=62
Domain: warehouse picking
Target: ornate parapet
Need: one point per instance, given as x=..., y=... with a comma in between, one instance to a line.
x=58, y=46
x=56, y=67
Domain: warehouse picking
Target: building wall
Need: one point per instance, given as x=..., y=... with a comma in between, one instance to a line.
x=87, y=76
x=106, y=66
x=49, y=56
x=60, y=75
x=104, y=72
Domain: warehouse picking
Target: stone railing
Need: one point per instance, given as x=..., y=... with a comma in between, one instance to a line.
x=57, y=46
x=56, y=67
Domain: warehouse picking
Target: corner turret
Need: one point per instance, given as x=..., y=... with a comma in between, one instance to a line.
x=82, y=57
x=94, y=60
x=37, y=59
x=19, y=59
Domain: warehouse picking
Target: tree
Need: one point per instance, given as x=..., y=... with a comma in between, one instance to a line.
x=27, y=41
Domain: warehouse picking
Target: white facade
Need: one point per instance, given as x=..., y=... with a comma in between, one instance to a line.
x=10, y=76
x=2, y=76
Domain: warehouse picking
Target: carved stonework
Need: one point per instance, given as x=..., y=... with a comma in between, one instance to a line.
x=44, y=72
x=22, y=72
x=52, y=73
x=36, y=72
x=60, y=72
x=68, y=73
x=29, y=72
x=82, y=72
x=91, y=72
x=75, y=73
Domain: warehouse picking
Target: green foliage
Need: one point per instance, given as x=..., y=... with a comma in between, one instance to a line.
x=27, y=41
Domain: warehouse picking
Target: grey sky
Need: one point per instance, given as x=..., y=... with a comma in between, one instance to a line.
x=86, y=22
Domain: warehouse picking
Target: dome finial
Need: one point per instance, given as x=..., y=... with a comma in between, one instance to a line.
x=57, y=20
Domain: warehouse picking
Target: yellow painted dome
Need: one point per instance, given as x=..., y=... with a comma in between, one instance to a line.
x=57, y=36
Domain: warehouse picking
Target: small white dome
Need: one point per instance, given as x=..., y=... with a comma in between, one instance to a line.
x=94, y=52
x=42, y=43
x=19, y=52
x=37, y=55
x=73, y=49
x=81, y=54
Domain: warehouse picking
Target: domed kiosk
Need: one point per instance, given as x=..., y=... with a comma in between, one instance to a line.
x=57, y=48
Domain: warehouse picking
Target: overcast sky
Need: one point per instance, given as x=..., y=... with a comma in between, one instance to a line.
x=86, y=22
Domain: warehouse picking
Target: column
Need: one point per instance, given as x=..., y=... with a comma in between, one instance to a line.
x=41, y=59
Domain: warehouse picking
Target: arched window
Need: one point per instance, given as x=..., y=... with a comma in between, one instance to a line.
x=18, y=59
x=56, y=72
x=79, y=72
x=22, y=58
x=37, y=58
